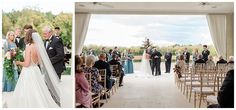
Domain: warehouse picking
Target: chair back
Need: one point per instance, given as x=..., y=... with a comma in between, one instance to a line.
x=222, y=69
x=200, y=70
x=114, y=70
x=230, y=66
x=102, y=73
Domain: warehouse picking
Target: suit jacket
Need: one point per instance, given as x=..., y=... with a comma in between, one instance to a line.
x=20, y=44
x=17, y=42
x=55, y=50
x=226, y=93
x=200, y=61
x=117, y=53
x=221, y=61
x=168, y=56
x=205, y=54
x=187, y=56
x=103, y=65
x=156, y=53
x=115, y=62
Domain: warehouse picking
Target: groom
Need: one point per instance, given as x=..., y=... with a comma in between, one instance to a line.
x=55, y=50
x=156, y=62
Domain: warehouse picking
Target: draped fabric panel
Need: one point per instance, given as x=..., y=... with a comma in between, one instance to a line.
x=81, y=27
x=229, y=35
x=217, y=27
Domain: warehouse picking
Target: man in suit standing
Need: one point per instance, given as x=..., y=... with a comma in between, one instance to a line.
x=186, y=55
x=57, y=32
x=55, y=50
x=156, y=62
x=205, y=53
x=17, y=36
x=168, y=57
x=20, y=41
x=116, y=52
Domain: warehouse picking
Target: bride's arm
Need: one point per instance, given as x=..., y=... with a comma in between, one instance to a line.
x=27, y=59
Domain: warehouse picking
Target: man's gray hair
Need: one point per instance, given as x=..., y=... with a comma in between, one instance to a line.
x=47, y=29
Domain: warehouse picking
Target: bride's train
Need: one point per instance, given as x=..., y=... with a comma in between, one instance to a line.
x=145, y=68
x=31, y=91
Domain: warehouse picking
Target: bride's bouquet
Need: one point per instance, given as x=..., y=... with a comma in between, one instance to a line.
x=9, y=65
x=19, y=57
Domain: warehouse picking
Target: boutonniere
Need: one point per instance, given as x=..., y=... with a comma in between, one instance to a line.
x=50, y=41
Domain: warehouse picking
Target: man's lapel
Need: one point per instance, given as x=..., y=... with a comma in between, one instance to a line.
x=49, y=44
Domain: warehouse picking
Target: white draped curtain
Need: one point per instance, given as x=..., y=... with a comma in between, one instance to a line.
x=230, y=35
x=222, y=33
x=217, y=27
x=81, y=27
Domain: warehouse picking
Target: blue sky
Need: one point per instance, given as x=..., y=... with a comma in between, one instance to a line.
x=163, y=30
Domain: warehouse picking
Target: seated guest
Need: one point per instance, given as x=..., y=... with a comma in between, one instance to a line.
x=226, y=94
x=221, y=60
x=82, y=57
x=101, y=64
x=210, y=60
x=95, y=77
x=83, y=94
x=200, y=60
x=231, y=59
x=181, y=65
x=114, y=61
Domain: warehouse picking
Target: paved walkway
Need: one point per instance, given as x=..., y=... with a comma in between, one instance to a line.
x=155, y=91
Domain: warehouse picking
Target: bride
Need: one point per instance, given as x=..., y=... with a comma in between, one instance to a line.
x=145, y=69
x=36, y=87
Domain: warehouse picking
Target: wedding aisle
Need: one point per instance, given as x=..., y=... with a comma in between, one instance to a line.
x=159, y=91
x=66, y=92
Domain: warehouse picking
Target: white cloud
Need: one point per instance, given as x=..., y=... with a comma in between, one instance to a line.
x=163, y=43
x=163, y=30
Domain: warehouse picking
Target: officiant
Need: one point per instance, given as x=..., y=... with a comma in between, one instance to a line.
x=156, y=62
x=168, y=58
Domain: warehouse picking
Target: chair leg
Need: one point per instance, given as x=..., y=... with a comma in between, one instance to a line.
x=181, y=86
x=194, y=99
x=187, y=92
x=112, y=90
x=98, y=104
x=184, y=89
x=190, y=93
x=106, y=96
x=200, y=101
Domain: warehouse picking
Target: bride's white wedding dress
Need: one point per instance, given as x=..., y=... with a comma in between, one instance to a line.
x=31, y=91
x=36, y=87
x=145, y=68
